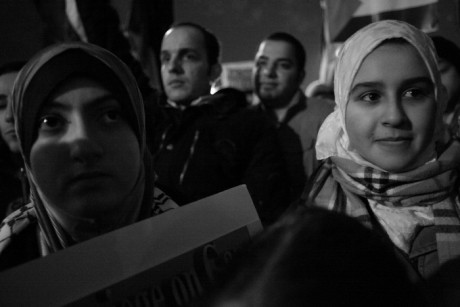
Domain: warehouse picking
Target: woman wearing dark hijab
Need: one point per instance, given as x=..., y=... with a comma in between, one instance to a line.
x=80, y=123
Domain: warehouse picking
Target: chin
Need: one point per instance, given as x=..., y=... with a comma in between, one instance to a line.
x=398, y=167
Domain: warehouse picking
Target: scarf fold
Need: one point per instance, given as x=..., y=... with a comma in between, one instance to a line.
x=402, y=203
x=426, y=195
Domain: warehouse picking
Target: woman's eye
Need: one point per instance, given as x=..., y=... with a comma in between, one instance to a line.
x=413, y=93
x=370, y=97
x=51, y=123
x=111, y=116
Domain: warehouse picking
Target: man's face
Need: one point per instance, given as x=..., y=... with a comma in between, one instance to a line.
x=276, y=73
x=185, y=70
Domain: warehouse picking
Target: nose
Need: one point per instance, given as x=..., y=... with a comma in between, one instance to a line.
x=84, y=145
x=174, y=65
x=269, y=70
x=394, y=114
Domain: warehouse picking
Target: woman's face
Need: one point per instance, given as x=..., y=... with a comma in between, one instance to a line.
x=6, y=119
x=86, y=157
x=451, y=80
x=391, y=113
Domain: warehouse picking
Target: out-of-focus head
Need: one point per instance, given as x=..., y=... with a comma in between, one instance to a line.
x=390, y=99
x=319, y=258
x=449, y=66
x=320, y=90
x=80, y=123
x=279, y=69
x=8, y=73
x=189, y=62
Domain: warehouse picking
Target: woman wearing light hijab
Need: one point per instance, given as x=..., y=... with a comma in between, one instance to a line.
x=379, y=145
x=80, y=122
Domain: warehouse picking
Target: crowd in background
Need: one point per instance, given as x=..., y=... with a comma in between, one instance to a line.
x=358, y=188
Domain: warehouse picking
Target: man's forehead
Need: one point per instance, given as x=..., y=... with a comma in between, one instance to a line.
x=183, y=37
x=276, y=49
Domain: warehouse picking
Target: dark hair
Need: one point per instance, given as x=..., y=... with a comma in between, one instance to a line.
x=211, y=42
x=299, y=50
x=447, y=50
x=321, y=258
x=11, y=67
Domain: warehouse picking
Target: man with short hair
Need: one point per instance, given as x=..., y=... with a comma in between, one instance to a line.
x=277, y=75
x=203, y=144
x=189, y=63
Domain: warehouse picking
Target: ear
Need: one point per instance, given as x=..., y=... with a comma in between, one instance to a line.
x=215, y=71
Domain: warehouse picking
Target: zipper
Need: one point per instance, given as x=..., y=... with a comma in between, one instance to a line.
x=192, y=151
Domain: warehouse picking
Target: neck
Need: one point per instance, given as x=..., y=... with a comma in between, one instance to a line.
x=281, y=111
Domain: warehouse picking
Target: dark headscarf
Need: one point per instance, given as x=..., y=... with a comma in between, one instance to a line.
x=36, y=82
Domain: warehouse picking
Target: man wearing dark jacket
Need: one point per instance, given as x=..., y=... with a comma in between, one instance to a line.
x=203, y=144
x=277, y=76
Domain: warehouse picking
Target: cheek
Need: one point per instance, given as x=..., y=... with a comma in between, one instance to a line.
x=424, y=120
x=359, y=125
x=3, y=123
x=164, y=74
x=255, y=75
x=46, y=160
x=198, y=72
x=289, y=77
x=289, y=82
x=126, y=156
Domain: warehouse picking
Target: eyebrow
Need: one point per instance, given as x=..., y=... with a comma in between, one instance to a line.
x=264, y=57
x=56, y=104
x=372, y=84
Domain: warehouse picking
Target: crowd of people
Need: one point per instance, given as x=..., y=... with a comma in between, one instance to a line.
x=359, y=198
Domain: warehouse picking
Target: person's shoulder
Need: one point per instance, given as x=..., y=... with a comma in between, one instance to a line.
x=314, y=114
x=19, y=238
x=162, y=202
x=227, y=101
x=320, y=104
x=15, y=223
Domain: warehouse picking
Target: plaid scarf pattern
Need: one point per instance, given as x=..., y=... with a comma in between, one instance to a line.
x=26, y=216
x=434, y=184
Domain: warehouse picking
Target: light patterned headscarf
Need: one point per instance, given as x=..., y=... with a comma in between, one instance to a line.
x=333, y=139
x=404, y=202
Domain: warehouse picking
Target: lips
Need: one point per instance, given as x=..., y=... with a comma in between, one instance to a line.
x=88, y=176
x=10, y=132
x=268, y=84
x=176, y=83
x=394, y=141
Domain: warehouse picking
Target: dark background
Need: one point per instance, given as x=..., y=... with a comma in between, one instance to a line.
x=239, y=24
